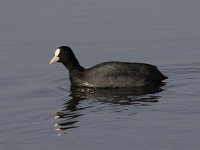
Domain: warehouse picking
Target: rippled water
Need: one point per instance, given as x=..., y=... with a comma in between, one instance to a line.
x=39, y=110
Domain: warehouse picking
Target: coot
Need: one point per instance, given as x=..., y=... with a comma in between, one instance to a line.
x=107, y=74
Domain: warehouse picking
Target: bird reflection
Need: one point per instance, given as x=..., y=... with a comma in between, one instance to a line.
x=68, y=117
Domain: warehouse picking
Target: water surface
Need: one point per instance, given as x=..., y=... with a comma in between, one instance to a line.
x=39, y=110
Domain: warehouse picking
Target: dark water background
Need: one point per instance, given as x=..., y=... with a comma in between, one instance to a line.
x=37, y=108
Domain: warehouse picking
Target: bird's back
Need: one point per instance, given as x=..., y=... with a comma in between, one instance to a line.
x=119, y=74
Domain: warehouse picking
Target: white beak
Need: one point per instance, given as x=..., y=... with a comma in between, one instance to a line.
x=54, y=59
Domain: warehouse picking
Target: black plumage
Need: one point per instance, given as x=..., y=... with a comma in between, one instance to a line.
x=108, y=74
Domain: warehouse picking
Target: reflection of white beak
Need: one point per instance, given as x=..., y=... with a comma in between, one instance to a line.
x=54, y=59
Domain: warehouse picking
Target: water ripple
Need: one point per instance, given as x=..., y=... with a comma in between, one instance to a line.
x=88, y=101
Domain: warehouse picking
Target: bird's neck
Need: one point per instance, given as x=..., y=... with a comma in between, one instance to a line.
x=73, y=65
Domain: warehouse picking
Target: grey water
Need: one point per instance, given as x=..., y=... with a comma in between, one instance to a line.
x=38, y=110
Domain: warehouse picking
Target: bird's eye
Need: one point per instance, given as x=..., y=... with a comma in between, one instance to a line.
x=57, y=52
